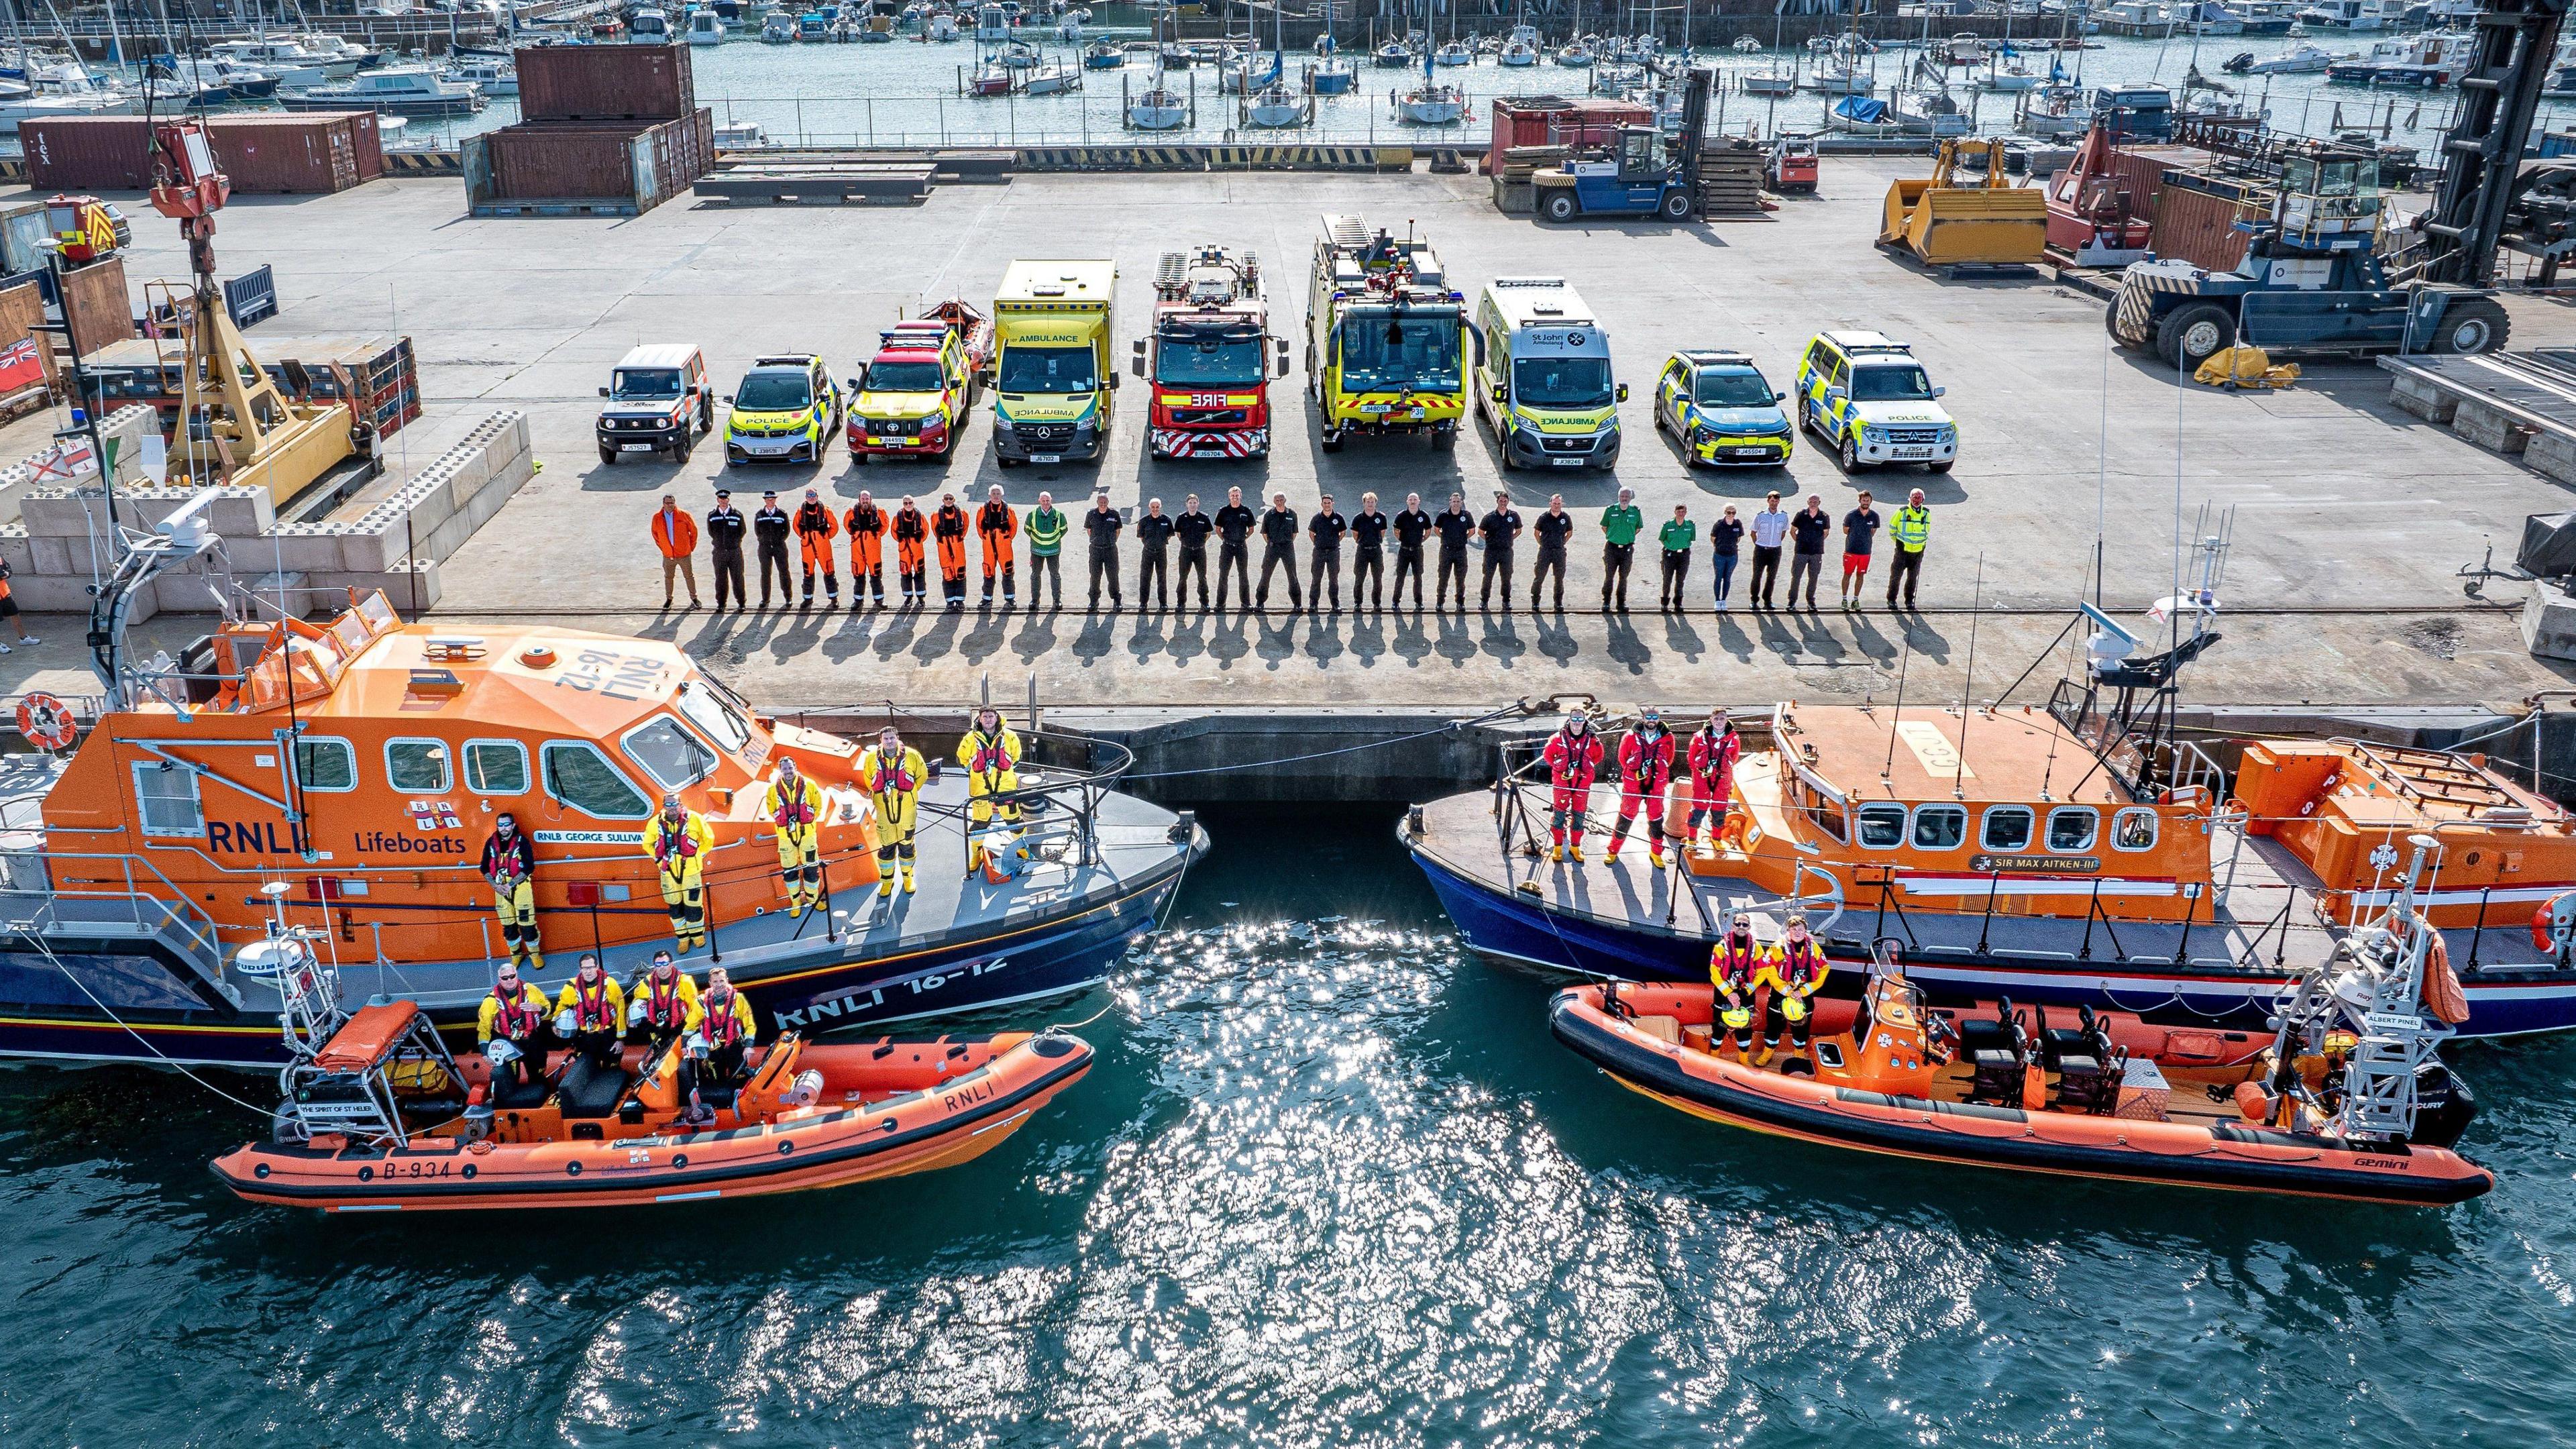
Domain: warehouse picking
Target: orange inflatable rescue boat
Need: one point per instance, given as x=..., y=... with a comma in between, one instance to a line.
x=381, y=1118
x=2344, y=1098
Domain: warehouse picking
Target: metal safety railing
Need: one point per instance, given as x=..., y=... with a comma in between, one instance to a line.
x=37, y=885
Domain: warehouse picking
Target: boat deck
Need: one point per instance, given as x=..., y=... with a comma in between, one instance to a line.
x=2264, y=919
x=1136, y=854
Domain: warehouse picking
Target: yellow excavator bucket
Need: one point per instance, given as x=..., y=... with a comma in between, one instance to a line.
x=1991, y=222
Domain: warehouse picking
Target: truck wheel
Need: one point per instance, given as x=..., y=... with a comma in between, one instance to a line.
x=706, y=416
x=1332, y=441
x=1444, y=437
x=1004, y=462
x=607, y=454
x=2188, y=335
x=2472, y=324
x=1559, y=206
x=1941, y=467
x=2111, y=324
x=1677, y=207
x=680, y=451
x=1851, y=455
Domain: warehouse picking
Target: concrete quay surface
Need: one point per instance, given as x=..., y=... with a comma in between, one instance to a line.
x=2351, y=516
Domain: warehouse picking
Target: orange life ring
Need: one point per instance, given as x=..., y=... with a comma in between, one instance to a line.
x=46, y=721
x=2540, y=915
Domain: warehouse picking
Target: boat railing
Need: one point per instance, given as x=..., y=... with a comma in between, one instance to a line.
x=33, y=899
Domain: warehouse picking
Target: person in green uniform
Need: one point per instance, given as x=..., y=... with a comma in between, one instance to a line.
x=1677, y=535
x=1046, y=528
x=1621, y=522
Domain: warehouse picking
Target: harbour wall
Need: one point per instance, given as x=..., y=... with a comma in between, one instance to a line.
x=1400, y=755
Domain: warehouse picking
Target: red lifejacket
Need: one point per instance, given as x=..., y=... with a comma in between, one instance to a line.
x=1732, y=965
x=1646, y=765
x=716, y=1018
x=1712, y=758
x=1571, y=762
x=515, y=1018
x=590, y=1005
x=662, y=1005
x=676, y=840
x=1802, y=966
x=792, y=809
x=891, y=779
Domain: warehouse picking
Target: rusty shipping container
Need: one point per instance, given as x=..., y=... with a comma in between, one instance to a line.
x=265, y=155
x=640, y=165
x=602, y=83
x=2198, y=223
x=1556, y=121
x=96, y=304
x=2142, y=170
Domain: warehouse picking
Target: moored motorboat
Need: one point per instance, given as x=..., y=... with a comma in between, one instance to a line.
x=141, y=854
x=378, y=1116
x=2305, y=1110
x=2081, y=854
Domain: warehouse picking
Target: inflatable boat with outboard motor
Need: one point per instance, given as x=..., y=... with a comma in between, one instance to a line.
x=377, y=1115
x=2346, y=1099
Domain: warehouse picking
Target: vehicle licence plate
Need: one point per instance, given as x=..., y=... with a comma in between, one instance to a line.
x=1748, y=452
x=1046, y=457
x=1567, y=462
x=1376, y=408
x=635, y=447
x=1914, y=452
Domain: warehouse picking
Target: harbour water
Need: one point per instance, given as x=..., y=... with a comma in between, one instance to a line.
x=1331, y=1184
x=907, y=92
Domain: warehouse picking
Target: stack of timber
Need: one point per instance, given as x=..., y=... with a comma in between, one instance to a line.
x=1513, y=193
x=1730, y=181
x=878, y=175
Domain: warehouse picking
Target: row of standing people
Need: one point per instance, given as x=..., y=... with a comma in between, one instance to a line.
x=1418, y=539
x=680, y=843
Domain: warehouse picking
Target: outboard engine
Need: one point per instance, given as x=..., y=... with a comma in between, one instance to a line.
x=2444, y=1107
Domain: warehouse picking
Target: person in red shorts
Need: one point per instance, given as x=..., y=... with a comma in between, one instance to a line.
x=1860, y=529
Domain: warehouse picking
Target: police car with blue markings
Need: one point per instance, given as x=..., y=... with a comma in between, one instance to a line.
x=1723, y=409
x=1871, y=399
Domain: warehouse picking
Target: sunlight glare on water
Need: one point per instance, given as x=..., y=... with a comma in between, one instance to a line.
x=1329, y=1183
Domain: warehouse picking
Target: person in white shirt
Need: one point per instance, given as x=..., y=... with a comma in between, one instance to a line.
x=1770, y=529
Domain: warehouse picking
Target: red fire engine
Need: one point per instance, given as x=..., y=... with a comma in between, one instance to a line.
x=1210, y=357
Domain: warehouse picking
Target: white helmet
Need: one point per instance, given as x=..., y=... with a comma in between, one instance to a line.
x=566, y=1023
x=500, y=1052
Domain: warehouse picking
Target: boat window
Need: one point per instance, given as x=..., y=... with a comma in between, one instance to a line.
x=670, y=754
x=2007, y=828
x=496, y=767
x=2134, y=829
x=326, y=766
x=1828, y=817
x=710, y=712
x=1939, y=827
x=2071, y=828
x=580, y=776
x=418, y=765
x=1882, y=825
x=166, y=794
